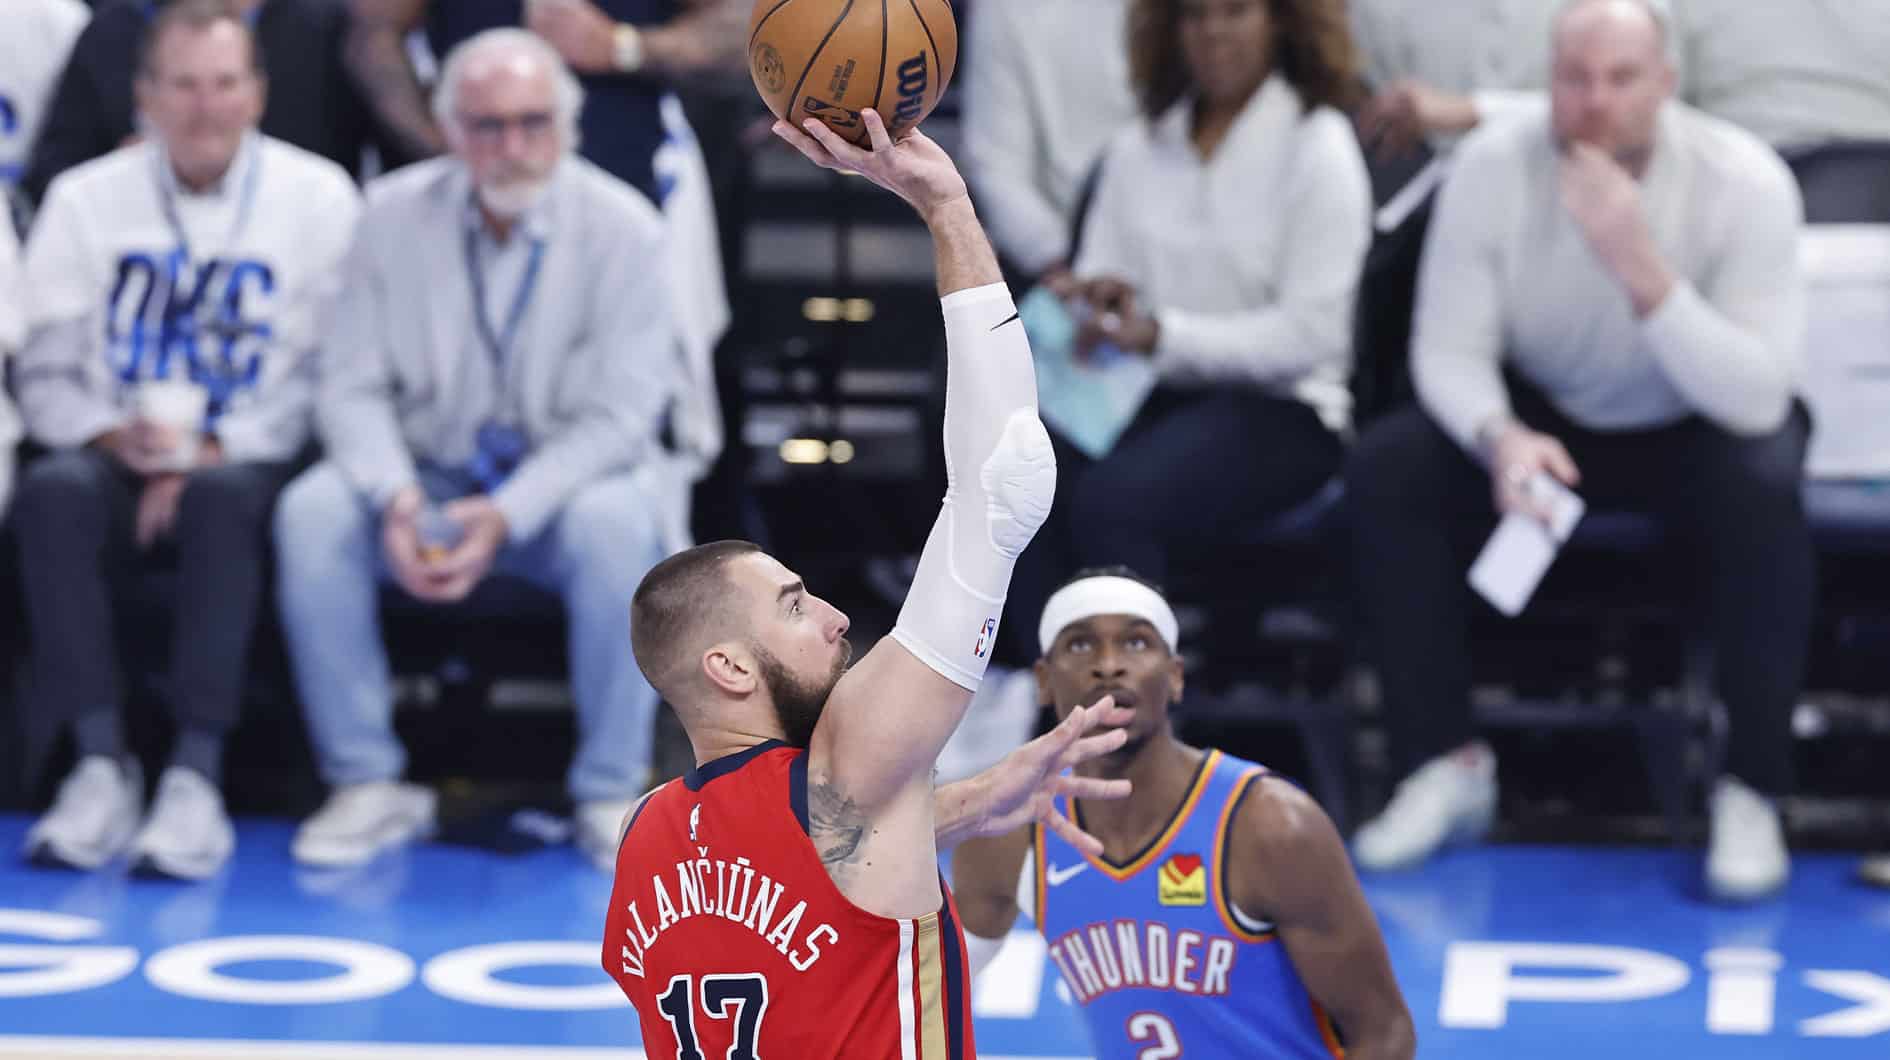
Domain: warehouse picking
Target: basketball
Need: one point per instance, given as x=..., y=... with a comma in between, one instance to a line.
x=832, y=59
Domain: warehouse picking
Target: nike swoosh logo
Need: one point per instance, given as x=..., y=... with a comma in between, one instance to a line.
x=1058, y=877
x=1005, y=321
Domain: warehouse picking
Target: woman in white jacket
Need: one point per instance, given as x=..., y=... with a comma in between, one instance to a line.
x=1223, y=247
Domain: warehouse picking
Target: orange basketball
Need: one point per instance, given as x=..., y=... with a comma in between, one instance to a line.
x=832, y=59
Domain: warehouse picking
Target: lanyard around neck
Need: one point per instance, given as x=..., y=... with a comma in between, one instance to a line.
x=499, y=344
x=246, y=197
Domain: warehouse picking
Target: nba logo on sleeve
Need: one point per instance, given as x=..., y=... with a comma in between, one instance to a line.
x=985, y=636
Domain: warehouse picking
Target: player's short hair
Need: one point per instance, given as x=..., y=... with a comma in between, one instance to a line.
x=682, y=605
x=1114, y=571
x=567, y=92
x=197, y=16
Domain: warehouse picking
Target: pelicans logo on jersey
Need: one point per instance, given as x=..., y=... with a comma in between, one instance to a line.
x=1182, y=881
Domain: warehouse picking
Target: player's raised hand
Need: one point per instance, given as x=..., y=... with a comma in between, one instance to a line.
x=915, y=169
x=1024, y=786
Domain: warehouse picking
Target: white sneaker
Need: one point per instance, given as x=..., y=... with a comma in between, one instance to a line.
x=600, y=830
x=93, y=818
x=188, y=835
x=1746, y=857
x=361, y=820
x=1875, y=871
x=1450, y=799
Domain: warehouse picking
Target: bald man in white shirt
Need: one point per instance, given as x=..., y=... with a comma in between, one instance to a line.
x=1632, y=263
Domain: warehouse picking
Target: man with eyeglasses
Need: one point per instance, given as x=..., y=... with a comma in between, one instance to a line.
x=492, y=400
x=175, y=290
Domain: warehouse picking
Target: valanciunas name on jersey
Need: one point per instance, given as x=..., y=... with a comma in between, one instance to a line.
x=733, y=891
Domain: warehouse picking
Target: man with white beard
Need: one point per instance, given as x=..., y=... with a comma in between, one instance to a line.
x=492, y=400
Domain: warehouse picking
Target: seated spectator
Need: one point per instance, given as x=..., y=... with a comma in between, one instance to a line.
x=33, y=50
x=492, y=402
x=1223, y=248
x=175, y=292
x=1633, y=264
x=311, y=102
x=12, y=330
x=628, y=54
x=1041, y=100
x=1795, y=75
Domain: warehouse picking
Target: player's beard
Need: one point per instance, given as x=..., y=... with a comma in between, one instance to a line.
x=798, y=703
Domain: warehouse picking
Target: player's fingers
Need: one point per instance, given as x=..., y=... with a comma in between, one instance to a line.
x=876, y=133
x=1073, y=835
x=1096, y=746
x=847, y=155
x=805, y=144
x=1093, y=788
x=1563, y=465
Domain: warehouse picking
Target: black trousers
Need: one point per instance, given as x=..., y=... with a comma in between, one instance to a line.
x=1421, y=508
x=75, y=515
x=1194, y=463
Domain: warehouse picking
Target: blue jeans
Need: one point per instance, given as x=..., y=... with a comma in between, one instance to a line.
x=593, y=553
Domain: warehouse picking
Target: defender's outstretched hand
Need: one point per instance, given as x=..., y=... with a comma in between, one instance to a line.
x=1024, y=786
x=915, y=169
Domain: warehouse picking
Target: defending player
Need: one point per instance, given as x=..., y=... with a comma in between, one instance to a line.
x=1221, y=917
x=783, y=898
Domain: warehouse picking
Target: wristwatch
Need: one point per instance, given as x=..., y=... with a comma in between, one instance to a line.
x=627, y=48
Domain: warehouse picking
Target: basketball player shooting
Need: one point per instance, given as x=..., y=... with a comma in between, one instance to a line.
x=1221, y=916
x=783, y=898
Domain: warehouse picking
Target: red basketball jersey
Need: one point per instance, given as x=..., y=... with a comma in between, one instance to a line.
x=731, y=940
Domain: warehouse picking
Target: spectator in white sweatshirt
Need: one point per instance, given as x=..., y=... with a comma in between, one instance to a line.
x=1609, y=296
x=175, y=291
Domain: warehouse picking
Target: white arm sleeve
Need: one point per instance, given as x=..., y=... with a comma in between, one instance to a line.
x=1000, y=477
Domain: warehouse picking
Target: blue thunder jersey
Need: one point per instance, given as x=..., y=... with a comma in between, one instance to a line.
x=1154, y=952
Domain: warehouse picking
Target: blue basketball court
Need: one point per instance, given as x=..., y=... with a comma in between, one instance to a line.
x=445, y=952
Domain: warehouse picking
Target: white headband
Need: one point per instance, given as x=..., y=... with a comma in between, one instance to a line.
x=1105, y=595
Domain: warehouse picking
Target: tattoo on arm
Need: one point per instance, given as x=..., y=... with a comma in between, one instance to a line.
x=836, y=826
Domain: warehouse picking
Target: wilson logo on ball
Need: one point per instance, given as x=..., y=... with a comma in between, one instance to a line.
x=913, y=79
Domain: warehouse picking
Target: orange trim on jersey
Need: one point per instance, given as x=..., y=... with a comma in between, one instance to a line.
x=1223, y=831
x=1037, y=870
x=1327, y=1033
x=1148, y=855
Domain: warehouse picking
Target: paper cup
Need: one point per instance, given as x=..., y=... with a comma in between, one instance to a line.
x=179, y=405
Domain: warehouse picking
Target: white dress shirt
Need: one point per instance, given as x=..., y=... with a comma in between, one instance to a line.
x=1250, y=257
x=1508, y=274
x=1046, y=85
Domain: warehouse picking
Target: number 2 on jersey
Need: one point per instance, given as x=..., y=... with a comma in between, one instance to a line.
x=743, y=998
x=1154, y=1027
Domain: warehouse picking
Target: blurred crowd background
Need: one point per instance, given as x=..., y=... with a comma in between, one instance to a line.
x=363, y=354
